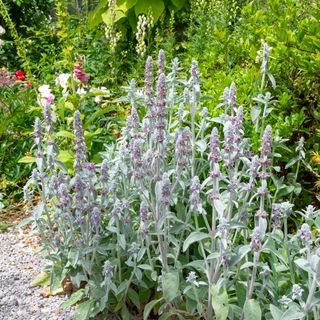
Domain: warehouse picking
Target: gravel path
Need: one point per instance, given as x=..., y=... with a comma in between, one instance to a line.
x=18, y=268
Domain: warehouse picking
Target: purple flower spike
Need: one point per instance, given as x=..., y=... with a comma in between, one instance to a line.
x=80, y=145
x=37, y=132
x=214, y=155
x=195, y=188
x=266, y=145
x=161, y=112
x=256, y=242
x=183, y=148
x=276, y=215
x=148, y=82
x=143, y=212
x=195, y=73
x=95, y=217
x=161, y=61
x=47, y=118
x=104, y=172
x=232, y=96
x=165, y=190
x=64, y=198
x=305, y=233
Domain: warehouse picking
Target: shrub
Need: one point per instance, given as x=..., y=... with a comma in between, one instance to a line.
x=179, y=219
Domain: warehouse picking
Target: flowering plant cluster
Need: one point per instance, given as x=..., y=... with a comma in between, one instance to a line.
x=180, y=219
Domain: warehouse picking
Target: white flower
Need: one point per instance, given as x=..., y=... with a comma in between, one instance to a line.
x=192, y=278
x=81, y=91
x=44, y=90
x=1, y=42
x=296, y=292
x=46, y=97
x=62, y=80
x=2, y=31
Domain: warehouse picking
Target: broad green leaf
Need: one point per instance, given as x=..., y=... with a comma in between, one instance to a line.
x=275, y=312
x=125, y=5
x=170, y=284
x=83, y=311
x=251, y=310
x=42, y=279
x=220, y=303
x=75, y=297
x=106, y=17
x=148, y=308
x=145, y=6
x=27, y=159
x=194, y=237
x=134, y=297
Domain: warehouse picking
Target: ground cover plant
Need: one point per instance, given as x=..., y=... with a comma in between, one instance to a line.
x=183, y=219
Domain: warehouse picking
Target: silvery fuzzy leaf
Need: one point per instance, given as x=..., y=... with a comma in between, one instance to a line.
x=220, y=207
x=141, y=254
x=138, y=274
x=242, y=252
x=247, y=265
x=255, y=113
x=272, y=80
x=38, y=211
x=197, y=264
x=303, y=264
x=122, y=241
x=315, y=263
x=202, y=145
x=263, y=224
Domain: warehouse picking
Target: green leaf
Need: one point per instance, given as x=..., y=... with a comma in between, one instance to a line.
x=293, y=313
x=134, y=297
x=194, y=237
x=251, y=310
x=25, y=222
x=125, y=314
x=75, y=297
x=125, y=5
x=106, y=17
x=179, y=4
x=83, y=311
x=166, y=315
x=27, y=159
x=148, y=308
x=65, y=157
x=155, y=6
x=42, y=279
x=220, y=303
x=170, y=284
x=275, y=312
x=65, y=134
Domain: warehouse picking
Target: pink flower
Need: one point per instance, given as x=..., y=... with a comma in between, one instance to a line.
x=79, y=74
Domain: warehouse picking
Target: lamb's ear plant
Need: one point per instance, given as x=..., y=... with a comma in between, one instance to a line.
x=180, y=219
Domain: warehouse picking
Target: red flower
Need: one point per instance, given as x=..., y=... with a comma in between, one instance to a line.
x=20, y=76
x=28, y=84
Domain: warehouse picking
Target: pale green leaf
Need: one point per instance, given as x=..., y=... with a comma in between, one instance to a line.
x=194, y=237
x=220, y=303
x=252, y=310
x=170, y=284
